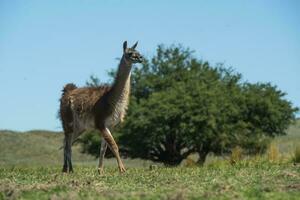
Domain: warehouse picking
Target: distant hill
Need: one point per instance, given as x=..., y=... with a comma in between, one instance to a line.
x=42, y=148
x=288, y=143
x=295, y=128
x=35, y=147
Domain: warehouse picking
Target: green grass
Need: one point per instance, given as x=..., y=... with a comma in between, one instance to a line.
x=30, y=168
x=245, y=180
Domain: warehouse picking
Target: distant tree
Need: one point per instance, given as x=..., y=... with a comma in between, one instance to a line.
x=93, y=81
x=264, y=114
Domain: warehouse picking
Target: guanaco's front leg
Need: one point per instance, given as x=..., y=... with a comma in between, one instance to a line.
x=113, y=146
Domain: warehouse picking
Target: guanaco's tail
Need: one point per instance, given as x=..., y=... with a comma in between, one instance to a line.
x=64, y=107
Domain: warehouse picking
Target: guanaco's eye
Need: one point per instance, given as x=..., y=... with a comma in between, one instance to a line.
x=130, y=54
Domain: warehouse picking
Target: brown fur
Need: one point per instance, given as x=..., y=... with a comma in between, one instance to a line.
x=79, y=100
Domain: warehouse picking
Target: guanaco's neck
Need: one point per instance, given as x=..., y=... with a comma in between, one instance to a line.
x=121, y=85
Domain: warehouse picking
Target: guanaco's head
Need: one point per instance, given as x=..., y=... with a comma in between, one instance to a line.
x=131, y=54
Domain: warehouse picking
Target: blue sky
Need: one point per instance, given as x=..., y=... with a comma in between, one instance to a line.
x=45, y=44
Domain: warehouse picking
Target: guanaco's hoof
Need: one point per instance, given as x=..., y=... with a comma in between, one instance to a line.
x=122, y=169
x=100, y=171
x=66, y=171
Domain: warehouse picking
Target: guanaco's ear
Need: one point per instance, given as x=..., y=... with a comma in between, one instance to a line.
x=133, y=47
x=124, y=46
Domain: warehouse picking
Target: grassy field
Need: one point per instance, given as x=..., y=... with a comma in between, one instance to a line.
x=30, y=165
x=246, y=180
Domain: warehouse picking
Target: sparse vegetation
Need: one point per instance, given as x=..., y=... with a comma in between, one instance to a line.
x=296, y=157
x=273, y=153
x=236, y=155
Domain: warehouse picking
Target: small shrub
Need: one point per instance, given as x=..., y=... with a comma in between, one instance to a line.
x=236, y=155
x=296, y=158
x=273, y=153
x=189, y=162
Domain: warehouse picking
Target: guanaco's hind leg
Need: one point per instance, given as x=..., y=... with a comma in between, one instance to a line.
x=113, y=146
x=101, y=155
x=69, y=139
x=67, y=167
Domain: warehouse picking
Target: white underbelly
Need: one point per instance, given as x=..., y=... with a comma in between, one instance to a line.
x=118, y=114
